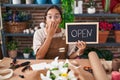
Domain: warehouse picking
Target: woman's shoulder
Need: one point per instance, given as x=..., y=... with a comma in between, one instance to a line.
x=39, y=31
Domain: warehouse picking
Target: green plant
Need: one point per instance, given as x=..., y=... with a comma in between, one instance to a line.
x=27, y=50
x=12, y=45
x=90, y=3
x=102, y=54
x=68, y=16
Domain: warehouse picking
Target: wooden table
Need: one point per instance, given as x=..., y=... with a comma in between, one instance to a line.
x=28, y=74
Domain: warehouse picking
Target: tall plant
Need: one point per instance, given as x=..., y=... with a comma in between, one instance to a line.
x=68, y=16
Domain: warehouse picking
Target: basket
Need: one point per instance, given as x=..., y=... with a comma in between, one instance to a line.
x=15, y=27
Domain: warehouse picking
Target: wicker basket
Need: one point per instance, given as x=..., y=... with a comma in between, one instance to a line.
x=15, y=27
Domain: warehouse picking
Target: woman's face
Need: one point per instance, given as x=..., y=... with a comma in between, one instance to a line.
x=53, y=15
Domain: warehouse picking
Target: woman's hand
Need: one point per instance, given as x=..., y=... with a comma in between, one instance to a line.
x=81, y=45
x=52, y=28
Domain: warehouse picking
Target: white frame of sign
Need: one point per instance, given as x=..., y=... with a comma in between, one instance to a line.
x=83, y=23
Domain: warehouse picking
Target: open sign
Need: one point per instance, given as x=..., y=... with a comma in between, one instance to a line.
x=87, y=32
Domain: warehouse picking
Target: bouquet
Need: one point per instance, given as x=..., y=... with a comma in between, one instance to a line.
x=58, y=71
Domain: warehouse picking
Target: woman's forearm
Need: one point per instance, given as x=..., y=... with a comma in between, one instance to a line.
x=44, y=48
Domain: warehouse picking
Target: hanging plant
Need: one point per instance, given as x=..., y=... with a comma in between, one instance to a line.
x=68, y=16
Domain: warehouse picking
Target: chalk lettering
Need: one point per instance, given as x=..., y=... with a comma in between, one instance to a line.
x=81, y=33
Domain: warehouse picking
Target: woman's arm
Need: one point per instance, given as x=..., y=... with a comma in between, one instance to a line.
x=44, y=48
x=51, y=30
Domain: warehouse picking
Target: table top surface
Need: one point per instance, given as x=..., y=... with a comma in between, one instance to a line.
x=6, y=64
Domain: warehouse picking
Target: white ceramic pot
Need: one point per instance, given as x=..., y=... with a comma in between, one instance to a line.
x=26, y=55
x=91, y=10
x=16, y=1
x=29, y=1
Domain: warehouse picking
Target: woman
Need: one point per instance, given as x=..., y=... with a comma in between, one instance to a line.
x=49, y=42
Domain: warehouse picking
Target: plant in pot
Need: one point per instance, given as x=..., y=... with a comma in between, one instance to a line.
x=15, y=21
x=67, y=8
x=104, y=29
x=27, y=51
x=91, y=6
x=116, y=28
x=12, y=49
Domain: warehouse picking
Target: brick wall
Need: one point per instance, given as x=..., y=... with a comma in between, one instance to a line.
x=38, y=16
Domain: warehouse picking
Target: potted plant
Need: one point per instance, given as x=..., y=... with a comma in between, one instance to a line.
x=116, y=27
x=105, y=28
x=26, y=52
x=67, y=7
x=12, y=48
x=15, y=21
x=91, y=6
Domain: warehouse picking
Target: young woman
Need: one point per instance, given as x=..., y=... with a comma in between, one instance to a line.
x=49, y=42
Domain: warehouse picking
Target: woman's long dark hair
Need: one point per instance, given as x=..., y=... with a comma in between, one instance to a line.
x=53, y=7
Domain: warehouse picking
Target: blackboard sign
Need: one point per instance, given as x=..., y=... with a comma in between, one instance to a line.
x=87, y=32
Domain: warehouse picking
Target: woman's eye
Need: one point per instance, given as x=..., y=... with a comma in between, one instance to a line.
x=50, y=17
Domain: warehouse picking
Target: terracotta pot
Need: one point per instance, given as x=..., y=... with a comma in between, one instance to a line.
x=117, y=36
x=103, y=35
x=12, y=53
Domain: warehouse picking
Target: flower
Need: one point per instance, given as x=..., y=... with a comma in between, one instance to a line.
x=105, y=26
x=58, y=71
x=15, y=16
x=116, y=26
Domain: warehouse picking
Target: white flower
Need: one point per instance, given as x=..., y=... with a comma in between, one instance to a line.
x=58, y=71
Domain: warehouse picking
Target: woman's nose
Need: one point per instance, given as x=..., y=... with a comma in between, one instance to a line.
x=53, y=19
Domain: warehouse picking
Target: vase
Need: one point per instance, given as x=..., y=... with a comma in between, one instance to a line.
x=29, y=1
x=40, y=1
x=103, y=35
x=16, y=1
x=91, y=10
x=117, y=36
x=55, y=1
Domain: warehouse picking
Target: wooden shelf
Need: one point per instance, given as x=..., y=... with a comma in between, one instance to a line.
x=98, y=15
x=27, y=5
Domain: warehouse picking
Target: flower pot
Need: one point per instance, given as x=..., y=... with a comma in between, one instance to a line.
x=16, y=1
x=91, y=10
x=29, y=1
x=40, y=1
x=55, y=1
x=12, y=53
x=103, y=35
x=117, y=36
x=26, y=55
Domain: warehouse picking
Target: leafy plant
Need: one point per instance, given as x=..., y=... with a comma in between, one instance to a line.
x=12, y=45
x=27, y=50
x=15, y=16
x=90, y=3
x=68, y=16
x=102, y=54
